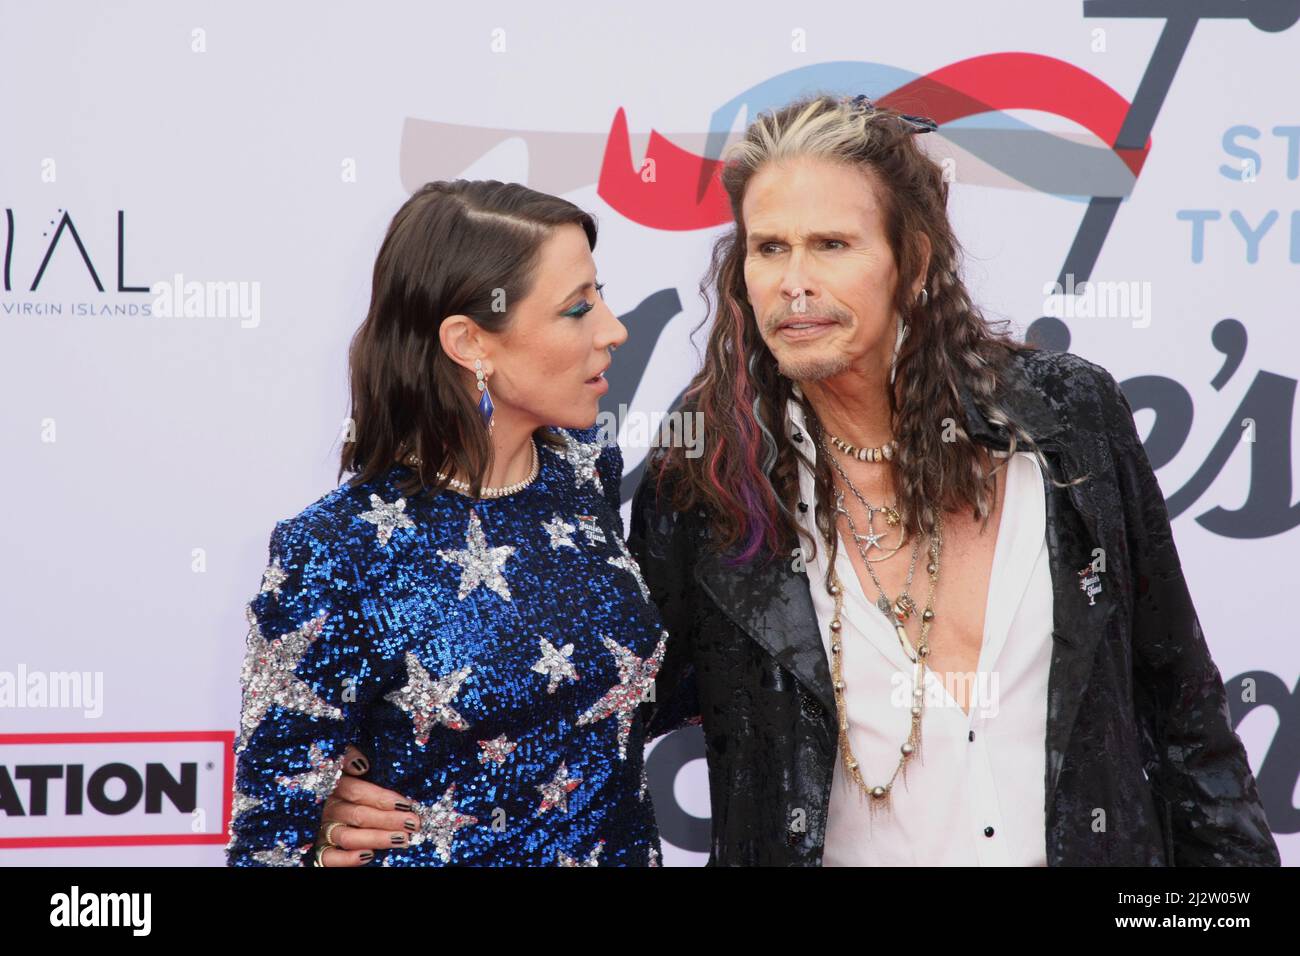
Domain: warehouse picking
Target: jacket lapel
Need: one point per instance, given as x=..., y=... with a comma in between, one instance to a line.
x=1073, y=531
x=772, y=604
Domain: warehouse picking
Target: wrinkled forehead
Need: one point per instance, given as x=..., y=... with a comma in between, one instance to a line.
x=805, y=196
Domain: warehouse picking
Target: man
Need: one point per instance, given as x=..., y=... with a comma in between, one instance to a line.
x=907, y=639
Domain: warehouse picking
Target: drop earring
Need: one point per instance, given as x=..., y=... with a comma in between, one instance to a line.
x=485, y=399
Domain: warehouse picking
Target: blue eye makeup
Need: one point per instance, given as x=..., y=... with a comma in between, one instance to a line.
x=583, y=307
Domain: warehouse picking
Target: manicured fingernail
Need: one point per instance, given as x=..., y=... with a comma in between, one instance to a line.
x=410, y=825
x=404, y=806
x=360, y=766
x=399, y=839
x=367, y=856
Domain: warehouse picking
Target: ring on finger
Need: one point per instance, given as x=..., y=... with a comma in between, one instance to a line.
x=329, y=832
x=320, y=853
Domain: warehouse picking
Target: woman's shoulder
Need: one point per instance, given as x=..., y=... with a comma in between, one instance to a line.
x=373, y=508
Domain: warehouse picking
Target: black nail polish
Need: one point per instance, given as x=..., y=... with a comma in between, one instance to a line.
x=403, y=806
x=367, y=856
x=360, y=765
x=410, y=825
x=398, y=839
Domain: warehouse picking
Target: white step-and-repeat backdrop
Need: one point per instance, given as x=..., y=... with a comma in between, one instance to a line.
x=254, y=153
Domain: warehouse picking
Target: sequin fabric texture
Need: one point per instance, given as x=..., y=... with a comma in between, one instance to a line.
x=490, y=656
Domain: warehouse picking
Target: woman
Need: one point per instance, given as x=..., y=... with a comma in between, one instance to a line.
x=464, y=607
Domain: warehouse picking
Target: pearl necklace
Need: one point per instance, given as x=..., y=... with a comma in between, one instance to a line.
x=455, y=484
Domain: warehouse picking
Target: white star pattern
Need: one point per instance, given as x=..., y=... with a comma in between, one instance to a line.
x=555, y=792
x=582, y=457
x=560, y=531
x=428, y=701
x=387, y=518
x=555, y=664
x=481, y=564
x=635, y=676
x=625, y=562
x=273, y=577
x=497, y=750
x=320, y=779
x=566, y=860
x=241, y=804
x=268, y=677
x=279, y=855
x=439, y=823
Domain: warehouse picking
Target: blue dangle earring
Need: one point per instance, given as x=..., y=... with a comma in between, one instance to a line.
x=485, y=399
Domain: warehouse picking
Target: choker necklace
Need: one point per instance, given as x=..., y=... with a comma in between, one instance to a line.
x=455, y=484
x=883, y=452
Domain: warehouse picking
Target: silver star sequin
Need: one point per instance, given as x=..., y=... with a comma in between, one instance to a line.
x=496, y=750
x=320, y=779
x=273, y=577
x=268, y=677
x=439, y=823
x=555, y=792
x=482, y=565
x=560, y=532
x=582, y=457
x=635, y=676
x=387, y=518
x=566, y=860
x=555, y=664
x=625, y=562
x=279, y=855
x=241, y=804
x=428, y=701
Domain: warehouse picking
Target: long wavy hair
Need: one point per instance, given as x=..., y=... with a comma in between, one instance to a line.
x=454, y=248
x=746, y=482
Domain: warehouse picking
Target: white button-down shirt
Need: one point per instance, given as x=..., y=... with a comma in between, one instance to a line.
x=975, y=795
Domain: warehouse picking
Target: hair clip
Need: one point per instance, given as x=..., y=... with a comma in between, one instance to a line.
x=919, y=124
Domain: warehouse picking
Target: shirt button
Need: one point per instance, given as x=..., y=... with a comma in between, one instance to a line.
x=803, y=506
x=971, y=738
x=988, y=831
x=797, y=436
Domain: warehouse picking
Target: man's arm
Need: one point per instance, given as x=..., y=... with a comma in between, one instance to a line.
x=1200, y=770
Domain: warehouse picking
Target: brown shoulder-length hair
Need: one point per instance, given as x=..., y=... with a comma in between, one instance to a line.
x=454, y=248
x=747, y=479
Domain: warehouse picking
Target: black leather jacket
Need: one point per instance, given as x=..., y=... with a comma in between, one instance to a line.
x=1137, y=717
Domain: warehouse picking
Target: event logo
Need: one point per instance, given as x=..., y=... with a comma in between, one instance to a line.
x=115, y=789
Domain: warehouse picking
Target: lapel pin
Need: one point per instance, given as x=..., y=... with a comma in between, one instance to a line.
x=1090, y=583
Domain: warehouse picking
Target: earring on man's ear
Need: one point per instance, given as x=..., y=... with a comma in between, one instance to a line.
x=924, y=298
x=485, y=399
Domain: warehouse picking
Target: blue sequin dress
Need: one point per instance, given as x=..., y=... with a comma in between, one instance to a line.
x=489, y=655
